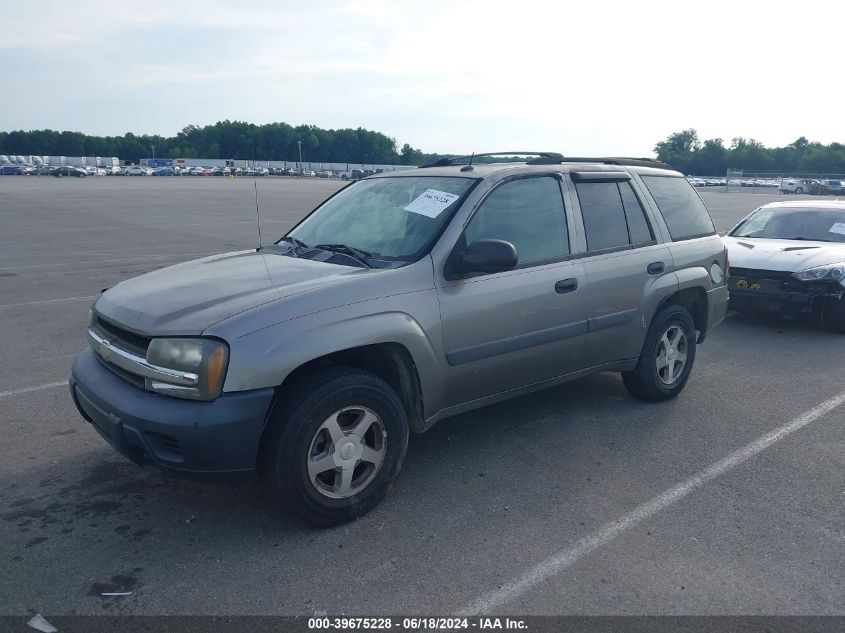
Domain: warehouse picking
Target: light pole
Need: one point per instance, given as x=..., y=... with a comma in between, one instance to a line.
x=301, y=168
x=153, y=148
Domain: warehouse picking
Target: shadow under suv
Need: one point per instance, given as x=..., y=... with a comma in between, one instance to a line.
x=401, y=300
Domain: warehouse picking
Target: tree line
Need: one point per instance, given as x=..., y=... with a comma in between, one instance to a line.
x=280, y=141
x=224, y=139
x=686, y=153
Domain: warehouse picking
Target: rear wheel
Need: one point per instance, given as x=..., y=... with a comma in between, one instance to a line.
x=833, y=315
x=667, y=357
x=336, y=443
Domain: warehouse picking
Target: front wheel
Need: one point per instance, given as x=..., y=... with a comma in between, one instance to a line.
x=335, y=445
x=667, y=357
x=799, y=191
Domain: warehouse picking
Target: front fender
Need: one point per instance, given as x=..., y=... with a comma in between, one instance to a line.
x=267, y=357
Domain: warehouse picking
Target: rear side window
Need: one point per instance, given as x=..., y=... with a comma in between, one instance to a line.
x=613, y=216
x=604, y=215
x=529, y=214
x=638, y=226
x=684, y=212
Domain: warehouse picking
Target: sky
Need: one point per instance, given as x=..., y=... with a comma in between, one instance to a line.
x=580, y=78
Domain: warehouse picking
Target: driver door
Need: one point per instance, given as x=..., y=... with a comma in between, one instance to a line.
x=510, y=329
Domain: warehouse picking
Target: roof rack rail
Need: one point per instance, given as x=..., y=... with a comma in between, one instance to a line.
x=608, y=160
x=553, y=158
x=447, y=162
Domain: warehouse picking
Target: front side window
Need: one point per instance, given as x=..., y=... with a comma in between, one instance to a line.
x=529, y=214
x=682, y=209
x=391, y=218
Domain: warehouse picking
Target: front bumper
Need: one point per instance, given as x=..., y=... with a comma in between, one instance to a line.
x=176, y=436
x=770, y=293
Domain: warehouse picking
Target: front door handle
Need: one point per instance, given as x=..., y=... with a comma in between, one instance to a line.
x=566, y=285
x=656, y=268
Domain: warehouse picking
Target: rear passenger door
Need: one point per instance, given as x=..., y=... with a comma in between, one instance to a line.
x=622, y=259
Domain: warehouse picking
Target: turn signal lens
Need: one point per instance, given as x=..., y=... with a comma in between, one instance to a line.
x=215, y=365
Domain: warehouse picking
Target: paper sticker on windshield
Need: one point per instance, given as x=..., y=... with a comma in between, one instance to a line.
x=431, y=203
x=839, y=227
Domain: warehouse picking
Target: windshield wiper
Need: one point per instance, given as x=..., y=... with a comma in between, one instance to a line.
x=355, y=253
x=297, y=248
x=809, y=239
x=294, y=241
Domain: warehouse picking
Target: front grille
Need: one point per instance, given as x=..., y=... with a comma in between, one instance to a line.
x=123, y=338
x=135, y=379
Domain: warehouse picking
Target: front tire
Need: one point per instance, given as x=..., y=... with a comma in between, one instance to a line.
x=667, y=357
x=336, y=442
x=833, y=315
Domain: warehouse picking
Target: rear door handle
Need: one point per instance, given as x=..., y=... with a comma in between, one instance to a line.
x=656, y=268
x=566, y=285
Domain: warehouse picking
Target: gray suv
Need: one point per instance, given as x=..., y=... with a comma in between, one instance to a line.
x=403, y=299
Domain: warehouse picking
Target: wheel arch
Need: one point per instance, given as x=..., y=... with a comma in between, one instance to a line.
x=390, y=361
x=694, y=300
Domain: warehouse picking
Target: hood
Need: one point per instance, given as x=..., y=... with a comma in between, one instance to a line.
x=186, y=299
x=782, y=255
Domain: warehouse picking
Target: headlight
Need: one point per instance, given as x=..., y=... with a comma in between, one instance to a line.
x=205, y=358
x=828, y=272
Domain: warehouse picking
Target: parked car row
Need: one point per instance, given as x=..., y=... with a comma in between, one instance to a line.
x=822, y=187
x=140, y=170
x=705, y=182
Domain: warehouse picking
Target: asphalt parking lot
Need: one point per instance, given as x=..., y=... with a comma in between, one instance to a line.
x=536, y=506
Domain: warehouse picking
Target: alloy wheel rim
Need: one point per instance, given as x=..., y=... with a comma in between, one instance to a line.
x=672, y=353
x=346, y=452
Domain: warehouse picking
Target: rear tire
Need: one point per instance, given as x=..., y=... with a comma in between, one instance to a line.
x=320, y=467
x=833, y=315
x=667, y=357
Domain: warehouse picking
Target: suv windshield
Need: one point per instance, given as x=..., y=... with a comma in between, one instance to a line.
x=390, y=218
x=822, y=225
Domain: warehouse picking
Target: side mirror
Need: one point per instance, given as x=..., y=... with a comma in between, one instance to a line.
x=486, y=256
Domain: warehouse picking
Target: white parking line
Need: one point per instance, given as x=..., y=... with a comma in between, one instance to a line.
x=140, y=258
x=49, y=385
x=564, y=558
x=32, y=303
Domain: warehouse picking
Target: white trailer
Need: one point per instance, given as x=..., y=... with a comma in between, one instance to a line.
x=75, y=161
x=108, y=161
x=55, y=161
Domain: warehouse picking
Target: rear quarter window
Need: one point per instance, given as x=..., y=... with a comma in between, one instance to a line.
x=682, y=209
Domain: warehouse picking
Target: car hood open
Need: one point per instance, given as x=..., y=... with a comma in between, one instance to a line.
x=187, y=298
x=782, y=255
